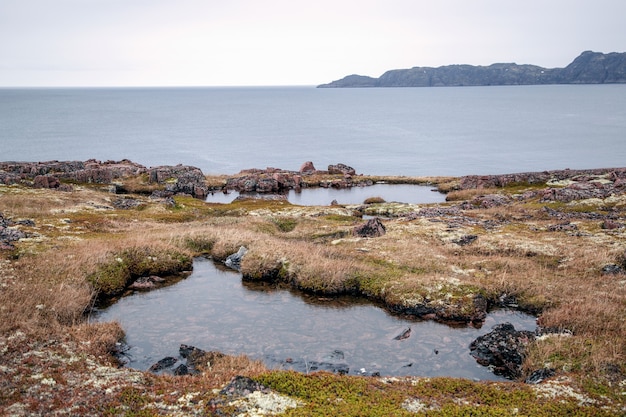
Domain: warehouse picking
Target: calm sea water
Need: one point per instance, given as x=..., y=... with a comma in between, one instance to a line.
x=403, y=131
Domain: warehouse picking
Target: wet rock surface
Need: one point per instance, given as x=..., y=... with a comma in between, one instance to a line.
x=503, y=349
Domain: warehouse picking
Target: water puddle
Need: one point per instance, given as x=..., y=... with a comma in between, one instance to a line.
x=404, y=193
x=214, y=310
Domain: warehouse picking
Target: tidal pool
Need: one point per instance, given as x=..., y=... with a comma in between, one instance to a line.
x=213, y=309
x=403, y=193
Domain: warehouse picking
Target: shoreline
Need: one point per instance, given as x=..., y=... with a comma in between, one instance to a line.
x=551, y=241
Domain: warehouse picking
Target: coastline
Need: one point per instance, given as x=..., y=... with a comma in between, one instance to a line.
x=550, y=242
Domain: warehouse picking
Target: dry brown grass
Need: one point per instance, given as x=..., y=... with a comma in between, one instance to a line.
x=558, y=273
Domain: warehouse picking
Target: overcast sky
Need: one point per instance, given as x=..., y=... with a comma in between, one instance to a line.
x=287, y=42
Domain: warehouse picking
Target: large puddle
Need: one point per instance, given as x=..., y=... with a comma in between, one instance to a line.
x=214, y=310
x=404, y=193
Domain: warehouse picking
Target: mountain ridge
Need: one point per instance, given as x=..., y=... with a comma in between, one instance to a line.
x=588, y=68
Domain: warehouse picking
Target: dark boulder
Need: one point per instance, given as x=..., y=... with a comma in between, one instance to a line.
x=540, y=375
x=372, y=228
x=241, y=386
x=341, y=169
x=163, y=364
x=503, y=349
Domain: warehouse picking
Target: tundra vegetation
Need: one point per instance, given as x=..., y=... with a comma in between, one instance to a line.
x=560, y=260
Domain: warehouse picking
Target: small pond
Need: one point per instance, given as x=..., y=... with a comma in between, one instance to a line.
x=214, y=310
x=404, y=193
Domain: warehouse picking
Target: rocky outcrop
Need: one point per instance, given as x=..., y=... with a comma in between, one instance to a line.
x=588, y=68
x=180, y=179
x=563, y=185
x=503, y=349
x=8, y=234
x=57, y=174
x=277, y=181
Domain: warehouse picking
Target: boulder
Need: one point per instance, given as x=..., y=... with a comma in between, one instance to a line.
x=540, y=375
x=8, y=235
x=234, y=261
x=46, y=181
x=372, y=228
x=180, y=179
x=307, y=168
x=341, y=169
x=503, y=349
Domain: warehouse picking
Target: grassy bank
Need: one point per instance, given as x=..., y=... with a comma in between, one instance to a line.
x=80, y=247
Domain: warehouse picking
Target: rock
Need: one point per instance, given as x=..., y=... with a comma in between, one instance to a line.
x=181, y=369
x=562, y=227
x=372, y=228
x=234, y=261
x=465, y=240
x=611, y=225
x=539, y=375
x=240, y=386
x=46, y=181
x=164, y=363
x=612, y=270
x=307, y=168
x=126, y=203
x=145, y=283
x=503, y=349
x=341, y=169
x=8, y=235
x=488, y=201
x=180, y=179
x=406, y=333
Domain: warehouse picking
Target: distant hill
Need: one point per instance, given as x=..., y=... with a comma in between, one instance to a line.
x=588, y=68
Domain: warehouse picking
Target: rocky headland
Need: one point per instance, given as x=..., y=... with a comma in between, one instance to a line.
x=588, y=68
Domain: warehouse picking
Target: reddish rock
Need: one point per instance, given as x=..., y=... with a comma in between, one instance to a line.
x=46, y=181
x=341, y=169
x=307, y=168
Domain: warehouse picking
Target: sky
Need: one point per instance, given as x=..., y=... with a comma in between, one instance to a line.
x=287, y=42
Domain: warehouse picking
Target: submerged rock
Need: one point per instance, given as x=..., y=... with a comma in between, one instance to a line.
x=406, y=333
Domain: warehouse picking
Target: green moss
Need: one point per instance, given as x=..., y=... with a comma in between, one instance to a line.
x=112, y=276
x=324, y=394
x=285, y=224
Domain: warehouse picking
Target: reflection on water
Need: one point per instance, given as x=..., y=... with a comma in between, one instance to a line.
x=214, y=310
x=404, y=193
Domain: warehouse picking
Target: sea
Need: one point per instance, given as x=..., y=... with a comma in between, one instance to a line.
x=440, y=131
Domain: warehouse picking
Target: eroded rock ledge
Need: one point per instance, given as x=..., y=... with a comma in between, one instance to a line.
x=61, y=174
